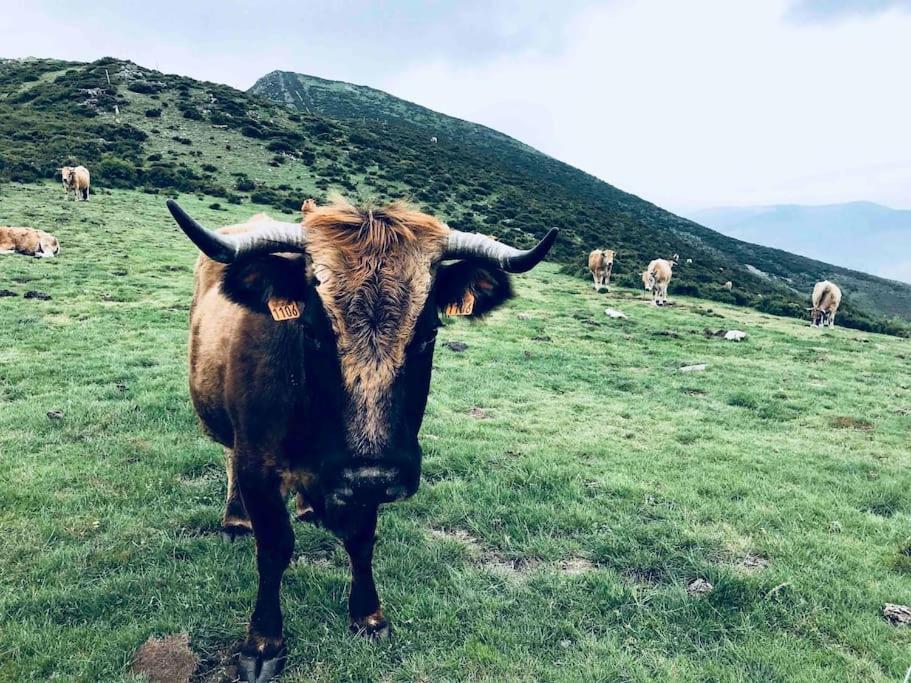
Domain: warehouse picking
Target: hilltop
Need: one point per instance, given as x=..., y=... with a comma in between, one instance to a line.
x=139, y=128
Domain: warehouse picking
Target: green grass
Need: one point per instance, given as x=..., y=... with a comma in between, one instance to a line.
x=554, y=533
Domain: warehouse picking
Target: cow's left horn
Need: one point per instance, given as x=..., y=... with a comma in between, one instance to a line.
x=467, y=245
x=270, y=238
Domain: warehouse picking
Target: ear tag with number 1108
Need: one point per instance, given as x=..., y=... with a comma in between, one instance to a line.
x=282, y=309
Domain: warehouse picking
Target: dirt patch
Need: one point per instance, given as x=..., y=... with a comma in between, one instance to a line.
x=478, y=413
x=699, y=367
x=693, y=392
x=34, y=294
x=217, y=666
x=845, y=422
x=488, y=558
x=576, y=566
x=165, y=660
x=752, y=563
x=456, y=346
x=7, y=292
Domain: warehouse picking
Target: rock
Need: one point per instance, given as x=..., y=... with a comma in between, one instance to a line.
x=478, y=413
x=7, y=292
x=699, y=587
x=33, y=294
x=456, y=346
x=55, y=415
x=735, y=335
x=523, y=316
x=613, y=313
x=699, y=367
x=898, y=615
x=165, y=660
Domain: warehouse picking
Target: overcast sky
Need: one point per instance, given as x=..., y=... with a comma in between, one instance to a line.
x=687, y=104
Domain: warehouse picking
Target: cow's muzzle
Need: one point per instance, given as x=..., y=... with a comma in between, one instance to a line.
x=374, y=484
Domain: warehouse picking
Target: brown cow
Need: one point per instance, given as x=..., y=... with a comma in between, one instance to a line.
x=76, y=179
x=656, y=277
x=28, y=241
x=311, y=349
x=826, y=300
x=600, y=263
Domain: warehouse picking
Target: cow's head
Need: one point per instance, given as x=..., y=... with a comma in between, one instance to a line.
x=648, y=280
x=48, y=246
x=371, y=284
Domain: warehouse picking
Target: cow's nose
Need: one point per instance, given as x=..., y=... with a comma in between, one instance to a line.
x=374, y=484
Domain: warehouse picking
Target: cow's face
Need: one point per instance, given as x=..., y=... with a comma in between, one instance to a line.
x=368, y=328
x=48, y=246
x=648, y=280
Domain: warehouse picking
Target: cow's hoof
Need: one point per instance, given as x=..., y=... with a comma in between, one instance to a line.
x=231, y=531
x=374, y=627
x=261, y=663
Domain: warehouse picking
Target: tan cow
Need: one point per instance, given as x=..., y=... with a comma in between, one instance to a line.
x=76, y=179
x=728, y=285
x=28, y=241
x=655, y=279
x=600, y=263
x=826, y=300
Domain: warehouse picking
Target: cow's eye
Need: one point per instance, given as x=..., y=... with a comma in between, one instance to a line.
x=425, y=344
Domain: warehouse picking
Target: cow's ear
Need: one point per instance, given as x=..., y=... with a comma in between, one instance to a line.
x=468, y=289
x=252, y=282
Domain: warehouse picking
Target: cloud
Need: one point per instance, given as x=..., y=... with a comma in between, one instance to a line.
x=825, y=11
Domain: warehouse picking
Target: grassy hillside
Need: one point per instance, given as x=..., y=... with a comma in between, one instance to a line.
x=135, y=127
x=575, y=483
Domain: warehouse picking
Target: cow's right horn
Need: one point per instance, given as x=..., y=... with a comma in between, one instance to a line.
x=270, y=238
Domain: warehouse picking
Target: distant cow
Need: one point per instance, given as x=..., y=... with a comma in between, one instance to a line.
x=826, y=300
x=308, y=206
x=76, y=179
x=600, y=263
x=28, y=241
x=433, y=140
x=655, y=279
x=311, y=348
x=728, y=285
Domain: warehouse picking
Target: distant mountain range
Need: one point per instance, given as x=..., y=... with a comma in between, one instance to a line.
x=859, y=235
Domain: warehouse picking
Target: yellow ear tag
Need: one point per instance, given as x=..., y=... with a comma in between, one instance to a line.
x=282, y=309
x=464, y=307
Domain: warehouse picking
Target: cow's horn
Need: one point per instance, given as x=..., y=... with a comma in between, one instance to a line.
x=270, y=238
x=467, y=245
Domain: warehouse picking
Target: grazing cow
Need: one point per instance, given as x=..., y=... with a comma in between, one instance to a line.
x=311, y=348
x=28, y=241
x=655, y=279
x=433, y=140
x=728, y=285
x=600, y=263
x=826, y=300
x=76, y=179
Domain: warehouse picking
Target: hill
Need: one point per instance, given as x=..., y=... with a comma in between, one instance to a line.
x=136, y=127
x=575, y=482
x=861, y=235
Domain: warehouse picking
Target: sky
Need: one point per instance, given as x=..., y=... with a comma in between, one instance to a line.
x=687, y=104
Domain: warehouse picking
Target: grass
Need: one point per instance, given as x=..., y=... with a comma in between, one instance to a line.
x=575, y=482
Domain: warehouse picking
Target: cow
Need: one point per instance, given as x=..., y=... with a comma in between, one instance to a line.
x=600, y=263
x=656, y=277
x=728, y=285
x=433, y=140
x=826, y=300
x=310, y=357
x=28, y=241
x=76, y=179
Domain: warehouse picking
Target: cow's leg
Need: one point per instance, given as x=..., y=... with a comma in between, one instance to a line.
x=363, y=602
x=262, y=654
x=595, y=279
x=607, y=280
x=235, y=521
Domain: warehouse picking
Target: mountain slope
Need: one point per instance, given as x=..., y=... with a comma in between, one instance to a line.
x=135, y=127
x=861, y=235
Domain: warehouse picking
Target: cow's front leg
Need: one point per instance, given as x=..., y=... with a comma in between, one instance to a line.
x=363, y=603
x=262, y=654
